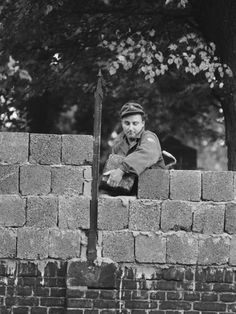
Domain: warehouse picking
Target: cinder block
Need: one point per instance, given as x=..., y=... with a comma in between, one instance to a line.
x=7, y=243
x=64, y=243
x=67, y=180
x=176, y=215
x=144, y=215
x=14, y=147
x=185, y=185
x=154, y=184
x=35, y=180
x=118, y=245
x=150, y=248
x=213, y=250
x=77, y=149
x=232, y=259
x=32, y=243
x=42, y=211
x=182, y=248
x=45, y=149
x=74, y=212
x=218, y=186
x=230, y=218
x=12, y=211
x=87, y=186
x=209, y=218
x=9, y=177
x=112, y=214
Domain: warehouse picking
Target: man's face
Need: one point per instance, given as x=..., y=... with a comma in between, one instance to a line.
x=132, y=125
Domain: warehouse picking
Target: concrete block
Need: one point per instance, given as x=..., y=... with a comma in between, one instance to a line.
x=118, y=245
x=7, y=243
x=150, y=248
x=14, y=147
x=67, y=180
x=230, y=218
x=77, y=149
x=45, y=149
x=144, y=215
x=32, y=243
x=176, y=215
x=218, y=186
x=112, y=214
x=185, y=185
x=87, y=185
x=209, y=218
x=9, y=178
x=12, y=211
x=42, y=211
x=232, y=259
x=182, y=248
x=35, y=180
x=64, y=243
x=154, y=184
x=213, y=250
x=74, y=212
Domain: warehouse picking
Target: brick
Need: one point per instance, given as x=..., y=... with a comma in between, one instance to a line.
x=150, y=248
x=41, y=211
x=232, y=259
x=79, y=303
x=140, y=295
x=9, y=179
x=182, y=248
x=192, y=296
x=209, y=218
x=209, y=274
x=12, y=211
x=230, y=218
x=77, y=149
x=141, y=304
x=7, y=243
x=14, y=147
x=228, y=297
x=144, y=215
x=67, y=180
x=45, y=149
x=213, y=250
x=218, y=186
x=35, y=179
x=209, y=297
x=20, y=310
x=157, y=295
x=38, y=310
x=57, y=310
x=48, y=301
x=176, y=215
x=32, y=243
x=174, y=296
x=154, y=184
x=64, y=243
x=185, y=185
x=118, y=245
x=74, y=311
x=112, y=214
x=173, y=273
x=209, y=306
x=174, y=305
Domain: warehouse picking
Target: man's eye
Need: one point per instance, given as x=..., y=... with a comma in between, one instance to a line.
x=135, y=123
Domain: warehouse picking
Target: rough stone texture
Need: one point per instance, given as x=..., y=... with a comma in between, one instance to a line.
x=87, y=187
x=213, y=250
x=209, y=218
x=64, y=244
x=74, y=212
x=42, y=211
x=230, y=218
x=32, y=243
x=232, y=259
x=35, y=180
x=118, y=245
x=45, y=149
x=185, y=185
x=9, y=177
x=14, y=147
x=77, y=149
x=144, y=215
x=67, y=180
x=176, y=215
x=218, y=186
x=150, y=248
x=154, y=184
x=12, y=211
x=182, y=248
x=112, y=214
x=7, y=243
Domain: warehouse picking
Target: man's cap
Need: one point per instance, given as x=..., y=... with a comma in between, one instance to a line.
x=131, y=108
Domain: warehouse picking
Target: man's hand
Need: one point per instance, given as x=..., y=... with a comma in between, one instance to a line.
x=115, y=176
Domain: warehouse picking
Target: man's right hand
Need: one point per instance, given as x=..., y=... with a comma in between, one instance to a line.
x=115, y=176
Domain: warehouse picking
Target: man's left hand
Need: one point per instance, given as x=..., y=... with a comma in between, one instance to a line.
x=115, y=176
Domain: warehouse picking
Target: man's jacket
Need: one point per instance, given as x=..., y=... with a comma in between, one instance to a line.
x=145, y=153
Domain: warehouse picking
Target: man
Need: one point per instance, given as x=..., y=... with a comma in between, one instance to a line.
x=141, y=148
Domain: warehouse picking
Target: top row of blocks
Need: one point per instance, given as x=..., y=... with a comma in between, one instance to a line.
x=45, y=149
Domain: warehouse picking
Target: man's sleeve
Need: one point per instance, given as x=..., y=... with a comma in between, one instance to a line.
x=145, y=156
